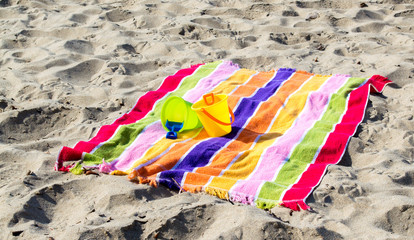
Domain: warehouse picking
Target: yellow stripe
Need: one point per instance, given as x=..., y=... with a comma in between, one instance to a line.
x=224, y=87
x=246, y=163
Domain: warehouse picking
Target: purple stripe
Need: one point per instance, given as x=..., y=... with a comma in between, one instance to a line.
x=201, y=154
x=153, y=133
x=280, y=150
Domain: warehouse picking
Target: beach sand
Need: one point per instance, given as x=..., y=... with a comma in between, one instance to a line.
x=69, y=67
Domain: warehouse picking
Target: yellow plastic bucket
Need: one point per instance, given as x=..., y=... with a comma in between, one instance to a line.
x=177, y=116
x=213, y=112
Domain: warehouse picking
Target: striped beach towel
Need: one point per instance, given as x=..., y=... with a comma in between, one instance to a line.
x=289, y=126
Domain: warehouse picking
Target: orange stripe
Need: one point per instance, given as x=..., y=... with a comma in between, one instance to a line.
x=247, y=162
x=257, y=126
x=225, y=87
x=168, y=160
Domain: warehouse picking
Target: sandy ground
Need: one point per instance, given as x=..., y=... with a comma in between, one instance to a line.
x=69, y=67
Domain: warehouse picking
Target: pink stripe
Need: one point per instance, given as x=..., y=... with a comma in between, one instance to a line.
x=280, y=150
x=143, y=106
x=155, y=132
x=332, y=151
x=223, y=72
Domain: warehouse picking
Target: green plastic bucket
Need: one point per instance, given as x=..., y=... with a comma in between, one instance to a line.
x=178, y=112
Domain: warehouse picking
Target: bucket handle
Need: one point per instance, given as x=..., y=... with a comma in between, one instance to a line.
x=206, y=97
x=218, y=121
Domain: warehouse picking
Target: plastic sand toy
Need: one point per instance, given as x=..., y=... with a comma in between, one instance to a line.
x=213, y=112
x=177, y=116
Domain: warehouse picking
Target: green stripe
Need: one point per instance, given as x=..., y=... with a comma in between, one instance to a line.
x=127, y=133
x=304, y=152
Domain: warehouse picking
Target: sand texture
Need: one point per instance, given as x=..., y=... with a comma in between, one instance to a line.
x=69, y=67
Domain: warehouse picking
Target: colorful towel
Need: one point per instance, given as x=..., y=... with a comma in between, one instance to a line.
x=289, y=126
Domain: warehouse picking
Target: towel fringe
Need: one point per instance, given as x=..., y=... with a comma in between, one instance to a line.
x=118, y=172
x=266, y=204
x=76, y=168
x=193, y=189
x=242, y=198
x=223, y=194
x=134, y=176
x=65, y=168
x=295, y=205
x=145, y=180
